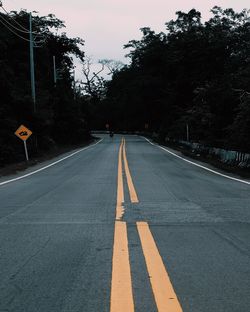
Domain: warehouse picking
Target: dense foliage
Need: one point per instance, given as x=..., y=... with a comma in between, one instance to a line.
x=196, y=73
x=60, y=116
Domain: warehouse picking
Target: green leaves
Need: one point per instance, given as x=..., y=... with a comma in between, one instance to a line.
x=16, y=105
x=188, y=75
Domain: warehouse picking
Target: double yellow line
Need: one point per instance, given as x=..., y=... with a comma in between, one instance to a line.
x=121, y=286
x=120, y=188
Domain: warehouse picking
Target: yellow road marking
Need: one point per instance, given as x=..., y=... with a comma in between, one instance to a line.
x=121, y=287
x=164, y=294
x=132, y=191
x=120, y=190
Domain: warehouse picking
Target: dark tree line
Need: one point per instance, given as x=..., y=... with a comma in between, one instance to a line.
x=195, y=73
x=61, y=116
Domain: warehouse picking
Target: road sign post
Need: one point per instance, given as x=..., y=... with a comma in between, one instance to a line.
x=24, y=133
x=26, y=151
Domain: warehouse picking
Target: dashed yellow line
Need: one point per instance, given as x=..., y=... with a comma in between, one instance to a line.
x=164, y=294
x=120, y=190
x=132, y=191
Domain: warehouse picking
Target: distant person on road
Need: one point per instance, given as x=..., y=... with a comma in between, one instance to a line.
x=111, y=134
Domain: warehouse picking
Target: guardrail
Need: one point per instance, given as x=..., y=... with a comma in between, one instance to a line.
x=230, y=157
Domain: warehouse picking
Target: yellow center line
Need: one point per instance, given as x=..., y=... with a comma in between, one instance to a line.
x=132, y=191
x=121, y=286
x=164, y=294
x=120, y=190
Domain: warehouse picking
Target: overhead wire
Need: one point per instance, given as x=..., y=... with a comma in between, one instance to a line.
x=20, y=25
x=8, y=25
x=11, y=30
x=24, y=30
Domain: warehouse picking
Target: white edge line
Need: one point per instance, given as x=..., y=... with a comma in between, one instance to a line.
x=50, y=165
x=197, y=165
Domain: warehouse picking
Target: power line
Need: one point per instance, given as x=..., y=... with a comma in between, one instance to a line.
x=18, y=35
x=14, y=19
x=11, y=30
x=25, y=30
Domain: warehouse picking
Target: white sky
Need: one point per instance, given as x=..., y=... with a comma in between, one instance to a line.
x=106, y=25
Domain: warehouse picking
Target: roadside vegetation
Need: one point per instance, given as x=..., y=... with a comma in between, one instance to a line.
x=195, y=75
x=59, y=117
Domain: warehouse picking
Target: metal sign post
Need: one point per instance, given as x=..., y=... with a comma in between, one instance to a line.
x=26, y=151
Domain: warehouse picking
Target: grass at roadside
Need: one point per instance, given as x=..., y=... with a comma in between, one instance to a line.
x=43, y=156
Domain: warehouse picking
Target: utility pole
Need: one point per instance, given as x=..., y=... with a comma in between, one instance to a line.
x=74, y=85
x=187, y=127
x=32, y=67
x=54, y=67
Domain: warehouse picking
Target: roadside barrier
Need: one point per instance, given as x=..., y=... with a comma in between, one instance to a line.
x=234, y=158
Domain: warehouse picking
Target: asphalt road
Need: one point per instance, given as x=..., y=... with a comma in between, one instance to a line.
x=58, y=247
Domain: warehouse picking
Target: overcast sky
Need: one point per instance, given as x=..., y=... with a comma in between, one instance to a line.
x=106, y=25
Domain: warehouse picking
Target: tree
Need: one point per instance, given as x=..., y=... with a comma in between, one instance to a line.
x=112, y=65
x=187, y=75
x=240, y=129
x=16, y=105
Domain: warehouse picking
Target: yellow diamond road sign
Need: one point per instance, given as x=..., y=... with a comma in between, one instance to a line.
x=23, y=133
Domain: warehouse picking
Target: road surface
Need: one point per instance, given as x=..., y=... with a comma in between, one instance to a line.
x=124, y=226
